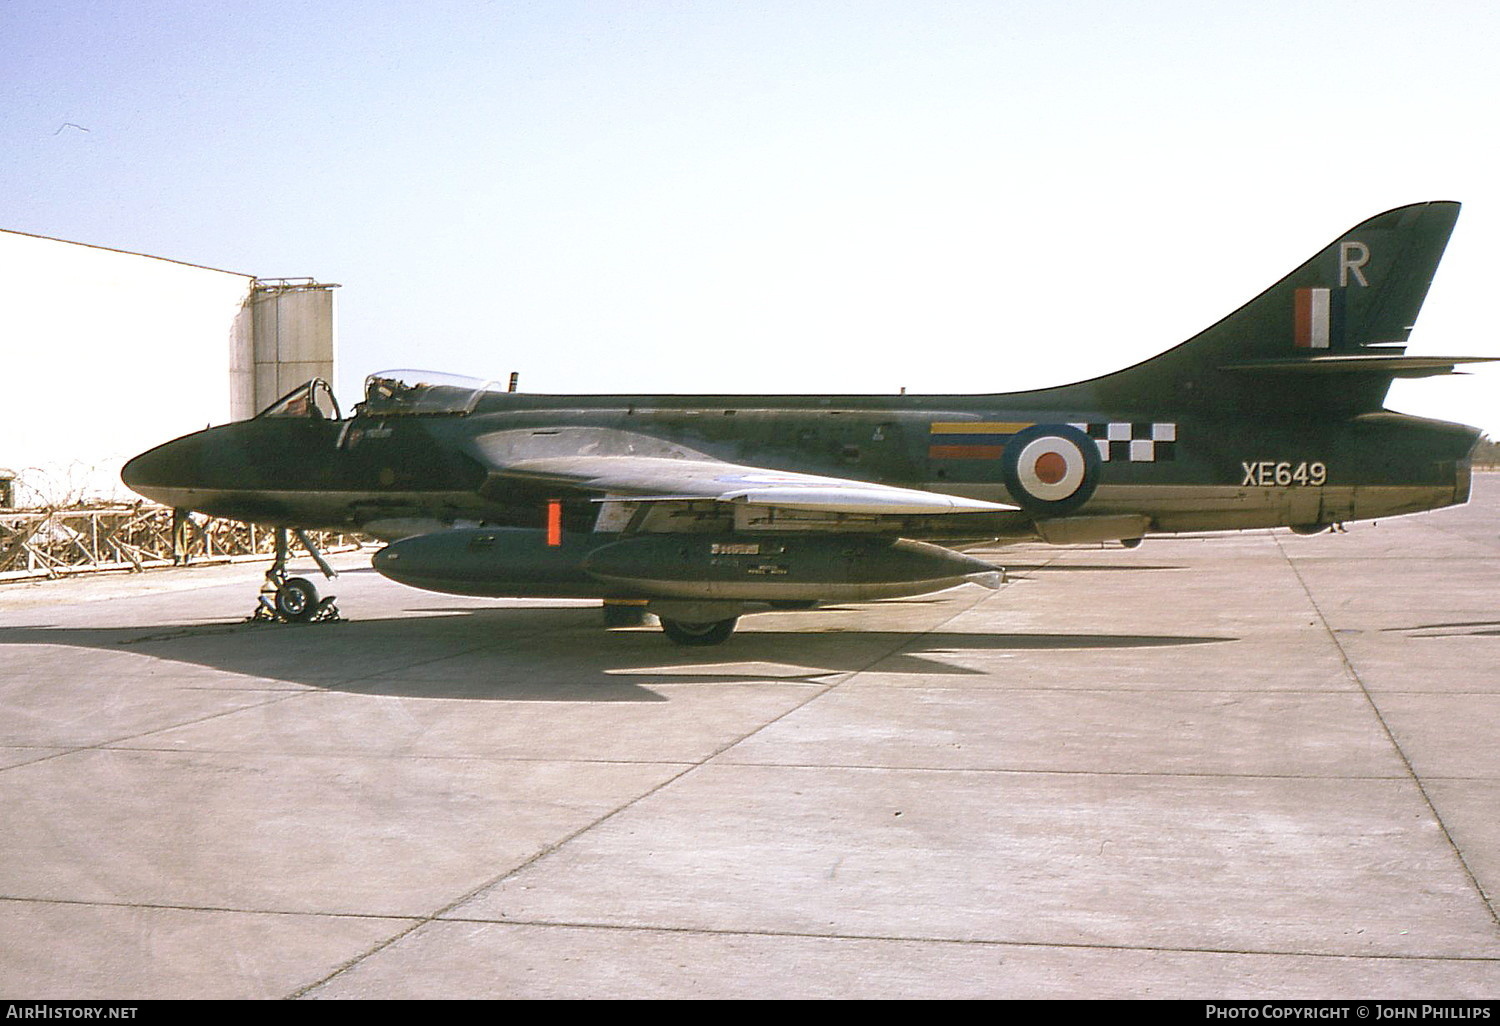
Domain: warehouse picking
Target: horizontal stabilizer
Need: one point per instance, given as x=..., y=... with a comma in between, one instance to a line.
x=1361, y=363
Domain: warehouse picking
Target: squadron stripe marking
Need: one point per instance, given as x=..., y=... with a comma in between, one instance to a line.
x=971, y=439
x=965, y=452
x=979, y=427
x=1134, y=442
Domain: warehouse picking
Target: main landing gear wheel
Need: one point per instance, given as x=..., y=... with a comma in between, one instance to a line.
x=683, y=632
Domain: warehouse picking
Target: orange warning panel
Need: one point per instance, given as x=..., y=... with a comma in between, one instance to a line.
x=554, y=522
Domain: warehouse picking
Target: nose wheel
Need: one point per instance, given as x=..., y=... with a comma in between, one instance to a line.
x=286, y=599
x=296, y=601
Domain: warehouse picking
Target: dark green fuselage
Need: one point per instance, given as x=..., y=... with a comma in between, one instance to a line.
x=1219, y=471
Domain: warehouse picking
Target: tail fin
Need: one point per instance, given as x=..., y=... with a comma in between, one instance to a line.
x=1327, y=338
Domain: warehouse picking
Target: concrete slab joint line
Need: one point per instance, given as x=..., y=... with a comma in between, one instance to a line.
x=1416, y=780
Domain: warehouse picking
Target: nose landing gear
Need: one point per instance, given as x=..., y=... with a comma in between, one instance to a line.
x=286, y=599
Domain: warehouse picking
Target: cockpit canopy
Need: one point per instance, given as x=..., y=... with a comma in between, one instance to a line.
x=393, y=393
x=313, y=399
x=408, y=393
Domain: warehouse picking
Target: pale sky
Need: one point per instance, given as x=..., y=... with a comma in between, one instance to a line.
x=809, y=196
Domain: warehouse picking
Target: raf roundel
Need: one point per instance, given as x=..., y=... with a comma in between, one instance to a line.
x=1051, y=468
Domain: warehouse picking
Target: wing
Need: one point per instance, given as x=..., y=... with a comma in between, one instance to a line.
x=655, y=482
x=686, y=478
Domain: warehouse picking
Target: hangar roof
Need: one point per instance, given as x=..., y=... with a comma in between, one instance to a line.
x=124, y=252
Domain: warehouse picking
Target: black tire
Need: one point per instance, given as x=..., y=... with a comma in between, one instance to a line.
x=618, y=615
x=715, y=632
x=297, y=600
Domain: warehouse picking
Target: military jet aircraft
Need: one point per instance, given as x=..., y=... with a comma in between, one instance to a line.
x=702, y=508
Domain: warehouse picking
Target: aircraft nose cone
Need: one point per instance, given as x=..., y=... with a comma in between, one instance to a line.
x=157, y=472
x=140, y=471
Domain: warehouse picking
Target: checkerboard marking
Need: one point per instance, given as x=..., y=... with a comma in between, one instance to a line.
x=1133, y=442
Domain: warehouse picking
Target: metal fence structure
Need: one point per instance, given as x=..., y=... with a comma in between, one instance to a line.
x=50, y=543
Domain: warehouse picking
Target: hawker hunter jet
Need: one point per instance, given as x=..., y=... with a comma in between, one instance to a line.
x=702, y=508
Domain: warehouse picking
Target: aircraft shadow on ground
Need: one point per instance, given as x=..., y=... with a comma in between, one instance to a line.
x=1019, y=569
x=549, y=654
x=1462, y=629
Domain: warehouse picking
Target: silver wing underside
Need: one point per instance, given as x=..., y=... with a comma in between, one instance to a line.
x=666, y=479
x=629, y=466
